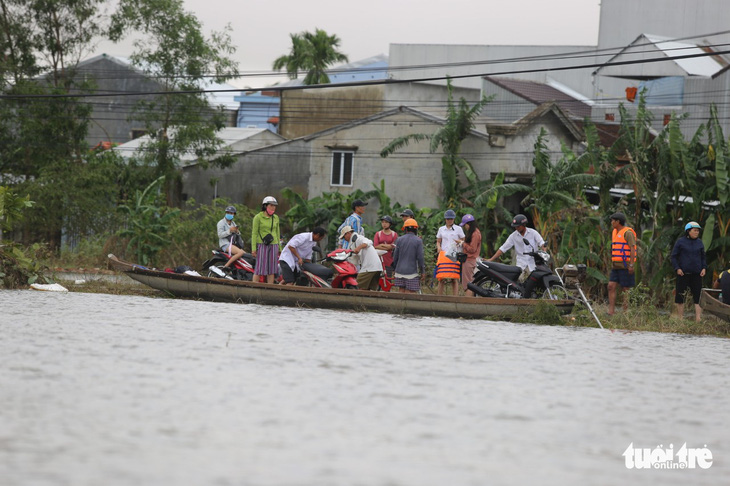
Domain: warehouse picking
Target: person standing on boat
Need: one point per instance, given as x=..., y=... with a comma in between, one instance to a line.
x=448, y=242
x=354, y=221
x=472, y=247
x=370, y=266
x=690, y=264
x=297, y=251
x=408, y=262
x=516, y=240
x=265, y=240
x=623, y=258
x=228, y=232
x=385, y=240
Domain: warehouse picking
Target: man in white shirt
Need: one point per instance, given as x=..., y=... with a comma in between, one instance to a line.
x=297, y=251
x=370, y=265
x=448, y=242
x=515, y=240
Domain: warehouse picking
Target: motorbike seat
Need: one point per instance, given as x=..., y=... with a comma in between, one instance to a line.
x=512, y=272
x=319, y=270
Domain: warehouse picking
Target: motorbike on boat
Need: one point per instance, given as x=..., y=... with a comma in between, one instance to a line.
x=242, y=269
x=493, y=279
x=343, y=271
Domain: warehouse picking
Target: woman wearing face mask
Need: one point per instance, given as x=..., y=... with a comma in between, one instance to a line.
x=228, y=235
x=265, y=240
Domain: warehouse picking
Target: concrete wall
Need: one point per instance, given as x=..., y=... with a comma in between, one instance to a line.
x=430, y=98
x=307, y=111
x=622, y=21
x=515, y=157
x=424, y=54
x=257, y=174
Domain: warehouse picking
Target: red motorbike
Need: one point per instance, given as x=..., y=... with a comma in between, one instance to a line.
x=345, y=273
x=242, y=269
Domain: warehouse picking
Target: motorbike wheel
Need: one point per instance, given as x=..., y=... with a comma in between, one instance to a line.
x=490, y=287
x=557, y=292
x=352, y=287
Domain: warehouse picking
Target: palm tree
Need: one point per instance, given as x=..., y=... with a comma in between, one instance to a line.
x=313, y=53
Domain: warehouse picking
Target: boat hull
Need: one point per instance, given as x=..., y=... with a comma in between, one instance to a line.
x=710, y=302
x=221, y=290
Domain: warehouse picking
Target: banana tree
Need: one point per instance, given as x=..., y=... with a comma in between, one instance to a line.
x=449, y=137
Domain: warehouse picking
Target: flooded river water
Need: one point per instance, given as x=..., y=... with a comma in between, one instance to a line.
x=120, y=390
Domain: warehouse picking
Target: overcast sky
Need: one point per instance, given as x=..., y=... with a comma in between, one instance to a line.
x=261, y=28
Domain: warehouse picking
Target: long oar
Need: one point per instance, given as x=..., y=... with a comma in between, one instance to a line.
x=587, y=304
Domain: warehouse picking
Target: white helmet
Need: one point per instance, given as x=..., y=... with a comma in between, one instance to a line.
x=270, y=200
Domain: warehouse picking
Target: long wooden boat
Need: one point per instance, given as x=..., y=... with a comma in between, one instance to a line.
x=710, y=301
x=222, y=290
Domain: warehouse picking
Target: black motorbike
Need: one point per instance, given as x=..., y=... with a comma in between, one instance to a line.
x=493, y=279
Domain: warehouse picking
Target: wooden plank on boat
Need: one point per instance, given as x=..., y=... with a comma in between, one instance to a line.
x=222, y=290
x=710, y=302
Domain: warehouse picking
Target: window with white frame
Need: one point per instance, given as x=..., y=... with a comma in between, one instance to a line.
x=342, y=168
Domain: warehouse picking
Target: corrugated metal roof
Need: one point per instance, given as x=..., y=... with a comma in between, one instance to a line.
x=694, y=66
x=224, y=99
x=642, y=54
x=539, y=93
x=229, y=135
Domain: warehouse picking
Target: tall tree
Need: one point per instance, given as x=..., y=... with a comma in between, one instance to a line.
x=43, y=116
x=313, y=53
x=174, y=52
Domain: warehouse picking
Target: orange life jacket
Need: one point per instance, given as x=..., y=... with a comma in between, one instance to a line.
x=620, y=249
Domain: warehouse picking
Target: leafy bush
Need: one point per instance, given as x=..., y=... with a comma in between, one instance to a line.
x=193, y=235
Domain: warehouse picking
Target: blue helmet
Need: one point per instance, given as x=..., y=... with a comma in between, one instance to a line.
x=449, y=214
x=691, y=225
x=468, y=218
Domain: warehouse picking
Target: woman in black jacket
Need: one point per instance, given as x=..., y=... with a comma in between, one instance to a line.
x=688, y=260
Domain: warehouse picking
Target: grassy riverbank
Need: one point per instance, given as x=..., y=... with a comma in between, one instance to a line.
x=644, y=317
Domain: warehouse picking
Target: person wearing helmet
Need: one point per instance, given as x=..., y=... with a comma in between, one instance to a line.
x=229, y=239
x=472, y=247
x=385, y=240
x=354, y=221
x=448, y=243
x=690, y=265
x=265, y=238
x=408, y=263
x=623, y=258
x=516, y=240
x=407, y=214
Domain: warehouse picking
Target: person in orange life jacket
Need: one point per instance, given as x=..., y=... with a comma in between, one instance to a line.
x=623, y=258
x=723, y=283
x=227, y=231
x=385, y=240
x=448, y=242
x=688, y=260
